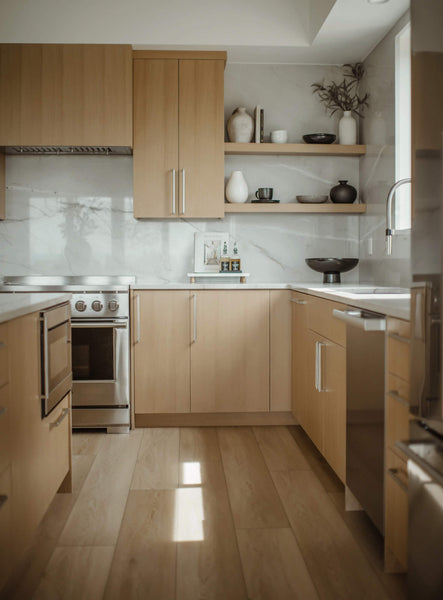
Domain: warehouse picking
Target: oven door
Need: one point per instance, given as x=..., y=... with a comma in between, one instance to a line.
x=55, y=356
x=100, y=363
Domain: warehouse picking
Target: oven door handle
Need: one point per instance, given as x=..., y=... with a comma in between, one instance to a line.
x=100, y=324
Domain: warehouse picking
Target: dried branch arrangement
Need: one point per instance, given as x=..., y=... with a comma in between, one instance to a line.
x=344, y=95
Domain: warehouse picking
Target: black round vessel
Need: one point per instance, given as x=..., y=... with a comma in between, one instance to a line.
x=343, y=193
x=319, y=138
x=331, y=267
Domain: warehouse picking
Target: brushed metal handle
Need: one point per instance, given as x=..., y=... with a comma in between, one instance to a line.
x=394, y=394
x=194, y=298
x=137, y=306
x=64, y=414
x=3, y=410
x=316, y=367
x=399, y=338
x=321, y=345
x=173, y=191
x=394, y=474
x=3, y=499
x=297, y=301
x=183, y=191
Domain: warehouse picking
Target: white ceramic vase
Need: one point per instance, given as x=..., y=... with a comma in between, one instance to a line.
x=240, y=126
x=347, y=129
x=237, y=188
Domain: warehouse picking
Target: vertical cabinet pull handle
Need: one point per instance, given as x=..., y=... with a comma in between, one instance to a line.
x=316, y=366
x=3, y=499
x=3, y=410
x=183, y=192
x=173, y=191
x=137, y=305
x=321, y=345
x=2, y=345
x=64, y=414
x=194, y=336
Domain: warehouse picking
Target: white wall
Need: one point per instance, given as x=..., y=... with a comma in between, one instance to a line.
x=73, y=215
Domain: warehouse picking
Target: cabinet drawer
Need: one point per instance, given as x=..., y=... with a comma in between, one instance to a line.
x=398, y=358
x=399, y=327
x=397, y=424
x=5, y=450
x=5, y=525
x=57, y=428
x=396, y=515
x=322, y=321
x=4, y=362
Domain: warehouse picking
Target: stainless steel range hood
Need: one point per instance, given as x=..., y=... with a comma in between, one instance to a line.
x=67, y=150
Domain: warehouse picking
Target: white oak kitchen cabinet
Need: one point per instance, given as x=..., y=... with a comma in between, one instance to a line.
x=178, y=134
x=211, y=352
x=65, y=95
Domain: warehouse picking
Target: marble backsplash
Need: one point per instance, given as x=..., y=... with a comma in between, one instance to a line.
x=73, y=216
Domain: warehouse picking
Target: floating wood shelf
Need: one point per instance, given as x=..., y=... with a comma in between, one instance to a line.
x=293, y=207
x=296, y=149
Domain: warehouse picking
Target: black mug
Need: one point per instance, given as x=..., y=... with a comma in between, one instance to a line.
x=264, y=193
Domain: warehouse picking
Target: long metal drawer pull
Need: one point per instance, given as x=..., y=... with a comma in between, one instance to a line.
x=394, y=394
x=183, y=192
x=194, y=298
x=3, y=410
x=137, y=304
x=321, y=345
x=3, y=499
x=64, y=414
x=173, y=191
x=297, y=301
x=399, y=338
x=396, y=478
x=316, y=366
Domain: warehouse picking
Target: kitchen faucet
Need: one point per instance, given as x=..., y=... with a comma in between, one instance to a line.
x=389, y=230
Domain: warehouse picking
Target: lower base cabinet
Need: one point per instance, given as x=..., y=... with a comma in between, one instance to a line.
x=202, y=351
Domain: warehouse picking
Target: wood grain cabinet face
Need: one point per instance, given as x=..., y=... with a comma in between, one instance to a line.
x=178, y=138
x=162, y=353
x=302, y=363
x=65, y=94
x=5, y=526
x=230, y=354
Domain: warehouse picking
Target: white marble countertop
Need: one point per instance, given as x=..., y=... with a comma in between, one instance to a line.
x=13, y=305
x=393, y=305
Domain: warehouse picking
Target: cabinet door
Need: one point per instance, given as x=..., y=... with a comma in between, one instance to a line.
x=313, y=403
x=155, y=138
x=162, y=354
x=201, y=136
x=280, y=345
x=65, y=94
x=302, y=367
x=333, y=367
x=230, y=354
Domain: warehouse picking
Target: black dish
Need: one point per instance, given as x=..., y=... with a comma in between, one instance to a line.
x=331, y=267
x=264, y=201
x=319, y=138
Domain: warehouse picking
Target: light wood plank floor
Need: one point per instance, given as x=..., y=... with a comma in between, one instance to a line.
x=203, y=513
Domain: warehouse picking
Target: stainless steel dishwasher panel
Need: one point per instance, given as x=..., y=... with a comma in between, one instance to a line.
x=365, y=411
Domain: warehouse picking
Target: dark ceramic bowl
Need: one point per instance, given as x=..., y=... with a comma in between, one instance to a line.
x=319, y=138
x=331, y=267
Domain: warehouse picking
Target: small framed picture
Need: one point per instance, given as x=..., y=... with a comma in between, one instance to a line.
x=208, y=250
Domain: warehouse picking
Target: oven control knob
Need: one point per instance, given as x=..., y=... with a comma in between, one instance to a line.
x=113, y=305
x=80, y=306
x=97, y=305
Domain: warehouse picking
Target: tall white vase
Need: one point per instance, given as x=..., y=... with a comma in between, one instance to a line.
x=347, y=129
x=240, y=126
x=237, y=188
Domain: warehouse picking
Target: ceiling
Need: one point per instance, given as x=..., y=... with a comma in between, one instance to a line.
x=256, y=31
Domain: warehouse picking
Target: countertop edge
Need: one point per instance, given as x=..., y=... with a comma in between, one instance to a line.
x=13, y=306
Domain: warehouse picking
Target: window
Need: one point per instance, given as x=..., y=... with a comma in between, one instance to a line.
x=403, y=126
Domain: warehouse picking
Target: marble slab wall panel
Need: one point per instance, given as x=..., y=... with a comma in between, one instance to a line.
x=73, y=215
x=377, y=169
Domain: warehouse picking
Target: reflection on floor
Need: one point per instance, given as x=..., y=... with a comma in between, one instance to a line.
x=213, y=513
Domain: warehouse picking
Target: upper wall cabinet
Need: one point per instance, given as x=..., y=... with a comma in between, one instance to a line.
x=65, y=95
x=178, y=134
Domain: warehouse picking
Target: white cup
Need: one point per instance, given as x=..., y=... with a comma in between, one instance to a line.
x=279, y=136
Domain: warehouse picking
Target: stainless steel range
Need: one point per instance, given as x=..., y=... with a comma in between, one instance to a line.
x=100, y=346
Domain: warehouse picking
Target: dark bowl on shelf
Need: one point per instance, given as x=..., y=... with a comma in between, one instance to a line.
x=319, y=138
x=331, y=267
